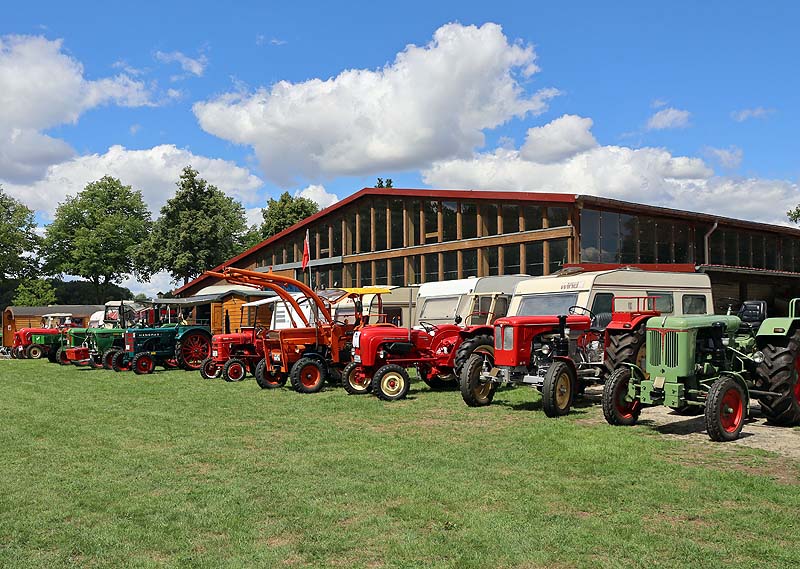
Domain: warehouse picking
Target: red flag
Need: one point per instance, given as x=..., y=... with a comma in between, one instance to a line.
x=306, y=251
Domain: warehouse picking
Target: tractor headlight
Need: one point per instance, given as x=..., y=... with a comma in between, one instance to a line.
x=545, y=350
x=508, y=338
x=758, y=357
x=726, y=341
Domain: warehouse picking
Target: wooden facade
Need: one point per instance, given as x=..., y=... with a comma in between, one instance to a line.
x=18, y=317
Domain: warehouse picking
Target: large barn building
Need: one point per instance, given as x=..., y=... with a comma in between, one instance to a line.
x=407, y=236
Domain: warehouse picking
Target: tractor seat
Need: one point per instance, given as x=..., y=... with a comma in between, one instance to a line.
x=600, y=322
x=752, y=313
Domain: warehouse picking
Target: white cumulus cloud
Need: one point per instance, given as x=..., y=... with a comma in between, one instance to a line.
x=432, y=102
x=319, y=195
x=669, y=118
x=194, y=65
x=729, y=158
x=755, y=113
x=559, y=139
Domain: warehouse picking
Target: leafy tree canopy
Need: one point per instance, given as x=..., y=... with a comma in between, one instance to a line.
x=794, y=214
x=34, y=292
x=384, y=184
x=285, y=212
x=96, y=234
x=199, y=228
x=18, y=240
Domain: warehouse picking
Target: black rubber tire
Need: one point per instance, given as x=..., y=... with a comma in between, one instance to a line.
x=473, y=392
x=468, y=346
x=779, y=373
x=347, y=381
x=209, y=370
x=306, y=369
x=439, y=383
x=14, y=353
x=613, y=391
x=143, y=363
x=382, y=385
x=108, y=358
x=623, y=347
x=551, y=391
x=20, y=351
x=51, y=354
x=267, y=379
x=96, y=361
x=715, y=414
x=118, y=363
x=34, y=352
x=61, y=357
x=234, y=370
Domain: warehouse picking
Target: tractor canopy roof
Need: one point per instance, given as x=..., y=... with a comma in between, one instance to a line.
x=731, y=323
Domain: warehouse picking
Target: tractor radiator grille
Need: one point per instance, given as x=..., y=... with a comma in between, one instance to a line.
x=671, y=349
x=654, y=347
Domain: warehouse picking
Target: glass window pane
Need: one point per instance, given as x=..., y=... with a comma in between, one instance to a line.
x=664, y=301
x=413, y=268
x=469, y=220
x=380, y=224
x=681, y=236
x=771, y=251
x=397, y=273
x=664, y=241
x=450, y=266
x=510, y=218
x=533, y=217
x=432, y=267
x=628, y=238
x=431, y=222
x=715, y=245
x=603, y=302
x=787, y=259
x=590, y=236
x=609, y=237
x=490, y=219
x=324, y=242
x=534, y=258
x=470, y=263
x=397, y=223
x=647, y=240
x=413, y=225
x=557, y=216
x=731, y=247
x=381, y=272
x=491, y=257
x=365, y=242
x=694, y=304
x=366, y=274
x=336, y=245
x=558, y=254
x=449, y=224
x=511, y=260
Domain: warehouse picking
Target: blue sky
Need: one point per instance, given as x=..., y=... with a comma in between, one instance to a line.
x=684, y=104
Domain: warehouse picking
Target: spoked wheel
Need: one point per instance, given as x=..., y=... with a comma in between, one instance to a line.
x=618, y=407
x=143, y=363
x=108, y=358
x=391, y=382
x=558, y=389
x=354, y=380
x=474, y=390
x=34, y=352
x=120, y=363
x=193, y=348
x=308, y=375
x=234, y=370
x=209, y=369
x=725, y=410
x=268, y=379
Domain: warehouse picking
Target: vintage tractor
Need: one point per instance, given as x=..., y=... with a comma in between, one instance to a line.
x=35, y=343
x=714, y=364
x=316, y=349
x=96, y=346
x=455, y=319
x=558, y=354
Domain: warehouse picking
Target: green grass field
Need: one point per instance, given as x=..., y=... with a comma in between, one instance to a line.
x=99, y=469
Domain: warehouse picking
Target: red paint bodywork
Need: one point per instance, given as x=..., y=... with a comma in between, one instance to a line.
x=526, y=328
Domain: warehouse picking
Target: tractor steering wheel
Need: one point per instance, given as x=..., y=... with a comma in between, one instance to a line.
x=428, y=327
x=580, y=310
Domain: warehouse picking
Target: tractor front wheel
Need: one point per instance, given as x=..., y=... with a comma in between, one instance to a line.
x=209, y=369
x=474, y=391
x=34, y=352
x=192, y=349
x=119, y=362
x=51, y=354
x=558, y=389
x=268, y=379
x=355, y=380
x=308, y=375
x=391, y=382
x=108, y=358
x=234, y=370
x=726, y=410
x=143, y=363
x=781, y=373
x=618, y=408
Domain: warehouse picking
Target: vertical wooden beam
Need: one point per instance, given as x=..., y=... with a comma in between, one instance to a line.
x=523, y=261
x=499, y=219
x=358, y=275
x=330, y=240
x=407, y=241
x=422, y=223
x=545, y=245
x=372, y=236
x=422, y=269
x=357, y=237
x=439, y=222
x=317, y=247
x=389, y=244
x=459, y=223
x=501, y=259
x=441, y=266
x=522, y=218
x=479, y=214
x=459, y=265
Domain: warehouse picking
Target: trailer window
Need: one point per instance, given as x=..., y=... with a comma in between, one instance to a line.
x=441, y=308
x=694, y=304
x=546, y=304
x=603, y=302
x=664, y=301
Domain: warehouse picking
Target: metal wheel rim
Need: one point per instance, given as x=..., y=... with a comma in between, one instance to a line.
x=210, y=369
x=194, y=349
x=731, y=410
x=392, y=383
x=357, y=379
x=563, y=390
x=143, y=364
x=310, y=375
x=36, y=353
x=236, y=371
x=624, y=408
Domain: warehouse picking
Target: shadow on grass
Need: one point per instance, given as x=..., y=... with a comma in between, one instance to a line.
x=690, y=426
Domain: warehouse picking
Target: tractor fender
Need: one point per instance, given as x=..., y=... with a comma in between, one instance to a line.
x=315, y=356
x=741, y=381
x=472, y=331
x=636, y=371
x=775, y=328
x=570, y=363
x=186, y=329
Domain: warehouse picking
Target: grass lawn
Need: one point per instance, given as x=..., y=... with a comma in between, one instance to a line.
x=99, y=469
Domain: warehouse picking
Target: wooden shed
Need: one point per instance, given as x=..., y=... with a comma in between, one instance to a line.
x=17, y=317
x=222, y=311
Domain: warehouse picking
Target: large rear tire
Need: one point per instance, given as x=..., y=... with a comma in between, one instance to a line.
x=51, y=354
x=781, y=374
x=474, y=391
x=558, y=389
x=308, y=375
x=391, y=382
x=617, y=409
x=34, y=351
x=267, y=379
x=625, y=347
x=726, y=410
x=234, y=370
x=355, y=380
x=468, y=346
x=192, y=349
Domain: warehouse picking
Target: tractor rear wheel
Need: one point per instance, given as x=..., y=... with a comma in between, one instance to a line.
x=19, y=352
x=108, y=358
x=308, y=375
x=391, y=382
x=726, y=410
x=192, y=349
x=268, y=379
x=617, y=408
x=781, y=373
x=355, y=380
x=468, y=346
x=474, y=391
x=119, y=362
x=440, y=382
x=209, y=369
x=624, y=347
x=61, y=357
x=34, y=351
x=143, y=363
x=234, y=370
x=558, y=389
x=51, y=354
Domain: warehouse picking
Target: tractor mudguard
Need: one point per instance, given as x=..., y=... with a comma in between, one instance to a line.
x=569, y=362
x=636, y=371
x=183, y=330
x=776, y=328
x=472, y=331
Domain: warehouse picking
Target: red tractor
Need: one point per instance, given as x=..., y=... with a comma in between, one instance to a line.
x=558, y=355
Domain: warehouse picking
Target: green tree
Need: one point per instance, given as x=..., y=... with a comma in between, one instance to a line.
x=34, y=292
x=140, y=297
x=384, y=184
x=794, y=214
x=285, y=212
x=199, y=228
x=95, y=235
x=18, y=241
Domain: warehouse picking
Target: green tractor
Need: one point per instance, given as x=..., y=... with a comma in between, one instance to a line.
x=714, y=365
x=95, y=346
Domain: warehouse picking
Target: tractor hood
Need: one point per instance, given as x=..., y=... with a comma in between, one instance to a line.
x=574, y=321
x=731, y=323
